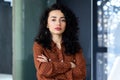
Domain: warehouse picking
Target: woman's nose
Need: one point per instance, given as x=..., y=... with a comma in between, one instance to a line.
x=58, y=22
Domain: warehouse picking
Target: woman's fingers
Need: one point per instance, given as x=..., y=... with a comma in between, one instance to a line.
x=72, y=65
x=42, y=58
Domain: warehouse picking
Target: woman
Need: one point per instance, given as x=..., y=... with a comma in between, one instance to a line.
x=57, y=53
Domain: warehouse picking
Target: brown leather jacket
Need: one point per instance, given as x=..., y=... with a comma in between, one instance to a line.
x=58, y=67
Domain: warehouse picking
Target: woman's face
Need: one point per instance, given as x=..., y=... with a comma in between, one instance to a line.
x=56, y=22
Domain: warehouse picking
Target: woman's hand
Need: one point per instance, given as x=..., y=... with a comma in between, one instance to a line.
x=42, y=58
x=72, y=65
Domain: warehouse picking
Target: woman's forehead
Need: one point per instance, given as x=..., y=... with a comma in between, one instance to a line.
x=55, y=13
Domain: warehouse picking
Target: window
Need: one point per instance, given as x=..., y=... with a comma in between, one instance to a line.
x=107, y=53
x=9, y=1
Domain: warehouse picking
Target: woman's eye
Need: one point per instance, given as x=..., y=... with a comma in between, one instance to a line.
x=63, y=20
x=53, y=20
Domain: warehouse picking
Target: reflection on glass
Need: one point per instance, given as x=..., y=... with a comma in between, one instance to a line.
x=11, y=1
x=101, y=63
x=108, y=36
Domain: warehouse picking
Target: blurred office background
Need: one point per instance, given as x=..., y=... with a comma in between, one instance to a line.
x=5, y=40
x=99, y=22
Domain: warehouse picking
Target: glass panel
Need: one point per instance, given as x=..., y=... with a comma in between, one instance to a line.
x=101, y=64
x=9, y=1
x=108, y=36
x=102, y=23
x=5, y=40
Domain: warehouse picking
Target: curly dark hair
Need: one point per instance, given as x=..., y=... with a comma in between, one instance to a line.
x=69, y=36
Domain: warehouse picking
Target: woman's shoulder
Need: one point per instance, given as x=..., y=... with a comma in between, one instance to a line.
x=79, y=52
x=36, y=44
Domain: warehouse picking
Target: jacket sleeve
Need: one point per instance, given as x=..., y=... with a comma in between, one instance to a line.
x=48, y=69
x=79, y=71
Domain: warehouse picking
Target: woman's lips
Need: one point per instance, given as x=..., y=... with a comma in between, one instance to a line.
x=58, y=28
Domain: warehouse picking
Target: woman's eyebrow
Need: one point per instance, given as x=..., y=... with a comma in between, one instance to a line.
x=56, y=17
x=53, y=16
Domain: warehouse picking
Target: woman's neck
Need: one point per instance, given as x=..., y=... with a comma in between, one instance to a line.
x=57, y=39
